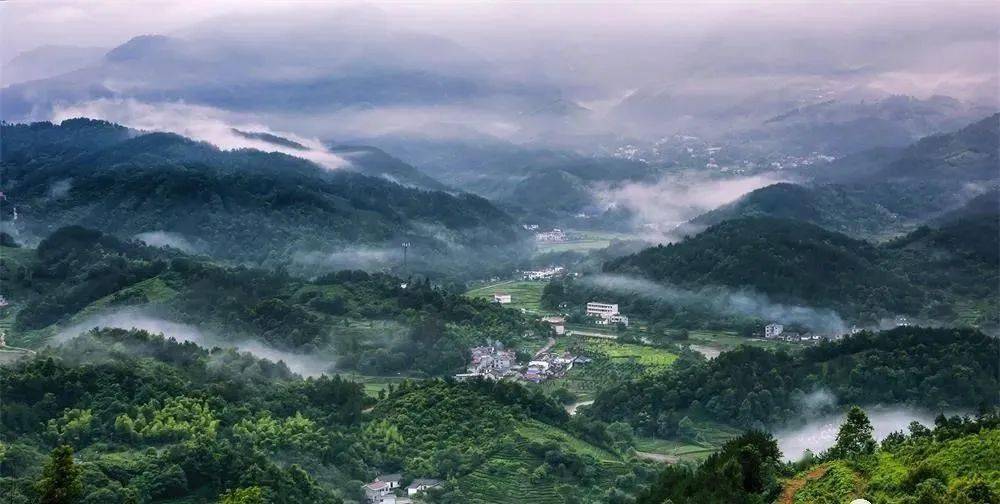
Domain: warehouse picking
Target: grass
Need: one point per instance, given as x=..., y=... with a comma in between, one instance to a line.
x=582, y=241
x=525, y=295
x=710, y=436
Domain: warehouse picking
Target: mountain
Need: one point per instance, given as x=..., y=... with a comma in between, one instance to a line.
x=375, y=162
x=48, y=61
x=79, y=278
x=936, y=369
x=948, y=274
x=127, y=183
x=216, y=64
x=157, y=420
x=883, y=192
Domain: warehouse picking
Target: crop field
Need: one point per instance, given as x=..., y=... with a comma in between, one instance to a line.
x=708, y=438
x=503, y=478
x=524, y=294
x=582, y=241
x=613, y=362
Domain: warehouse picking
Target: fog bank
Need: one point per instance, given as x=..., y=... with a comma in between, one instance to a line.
x=821, y=433
x=305, y=365
x=723, y=301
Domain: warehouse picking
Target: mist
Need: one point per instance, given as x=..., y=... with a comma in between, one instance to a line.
x=167, y=239
x=821, y=433
x=723, y=301
x=661, y=207
x=531, y=73
x=207, y=124
x=356, y=258
x=305, y=365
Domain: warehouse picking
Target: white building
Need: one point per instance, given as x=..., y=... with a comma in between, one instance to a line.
x=773, y=330
x=558, y=324
x=603, y=310
x=421, y=484
x=612, y=319
x=501, y=297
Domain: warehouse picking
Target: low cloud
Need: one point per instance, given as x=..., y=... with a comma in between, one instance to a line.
x=723, y=301
x=820, y=434
x=207, y=124
x=661, y=207
x=358, y=258
x=305, y=365
x=167, y=239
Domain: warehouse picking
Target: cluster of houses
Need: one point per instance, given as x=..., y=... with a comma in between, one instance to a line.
x=774, y=331
x=543, y=274
x=496, y=364
x=548, y=365
x=490, y=362
x=606, y=314
x=555, y=235
x=387, y=489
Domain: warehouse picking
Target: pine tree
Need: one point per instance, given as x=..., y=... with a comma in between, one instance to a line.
x=855, y=436
x=60, y=483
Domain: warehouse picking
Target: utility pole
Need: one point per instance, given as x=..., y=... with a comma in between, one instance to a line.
x=406, y=246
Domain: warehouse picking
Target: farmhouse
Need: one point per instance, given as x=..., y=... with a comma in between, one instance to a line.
x=501, y=297
x=558, y=324
x=773, y=330
x=606, y=313
x=421, y=484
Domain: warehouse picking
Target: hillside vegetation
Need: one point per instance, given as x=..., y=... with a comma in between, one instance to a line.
x=242, y=205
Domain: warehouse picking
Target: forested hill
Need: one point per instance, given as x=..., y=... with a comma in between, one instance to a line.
x=880, y=193
x=934, y=369
x=239, y=204
x=374, y=323
x=126, y=416
x=933, y=273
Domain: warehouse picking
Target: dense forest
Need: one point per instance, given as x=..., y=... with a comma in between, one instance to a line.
x=374, y=323
x=955, y=462
x=883, y=192
x=126, y=182
x=934, y=369
x=947, y=274
x=133, y=417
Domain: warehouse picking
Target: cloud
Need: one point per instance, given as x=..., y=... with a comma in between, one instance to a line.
x=360, y=258
x=662, y=206
x=305, y=365
x=821, y=433
x=167, y=239
x=198, y=122
x=723, y=301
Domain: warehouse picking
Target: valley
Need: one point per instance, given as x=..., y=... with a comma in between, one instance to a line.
x=499, y=253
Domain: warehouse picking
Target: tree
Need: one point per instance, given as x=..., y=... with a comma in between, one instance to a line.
x=855, y=436
x=249, y=495
x=60, y=483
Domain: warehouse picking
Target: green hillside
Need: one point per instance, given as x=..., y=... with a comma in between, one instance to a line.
x=930, y=273
x=241, y=205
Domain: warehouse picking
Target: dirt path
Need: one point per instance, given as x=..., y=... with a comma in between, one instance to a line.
x=793, y=486
x=548, y=346
x=657, y=457
x=571, y=408
x=591, y=334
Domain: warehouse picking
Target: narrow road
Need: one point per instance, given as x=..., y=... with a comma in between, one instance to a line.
x=792, y=487
x=591, y=334
x=571, y=408
x=657, y=457
x=548, y=346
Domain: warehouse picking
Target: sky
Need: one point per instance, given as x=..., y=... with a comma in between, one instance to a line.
x=907, y=38
x=693, y=59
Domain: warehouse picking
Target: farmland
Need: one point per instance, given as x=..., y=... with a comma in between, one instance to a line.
x=525, y=295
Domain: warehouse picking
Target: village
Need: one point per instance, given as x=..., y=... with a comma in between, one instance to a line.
x=388, y=489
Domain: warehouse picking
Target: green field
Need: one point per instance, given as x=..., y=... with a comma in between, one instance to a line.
x=582, y=241
x=505, y=476
x=707, y=440
x=524, y=295
x=612, y=363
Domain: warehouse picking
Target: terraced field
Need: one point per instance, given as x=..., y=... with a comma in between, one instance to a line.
x=525, y=295
x=505, y=477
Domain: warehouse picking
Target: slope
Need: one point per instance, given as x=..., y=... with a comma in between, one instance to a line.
x=124, y=182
